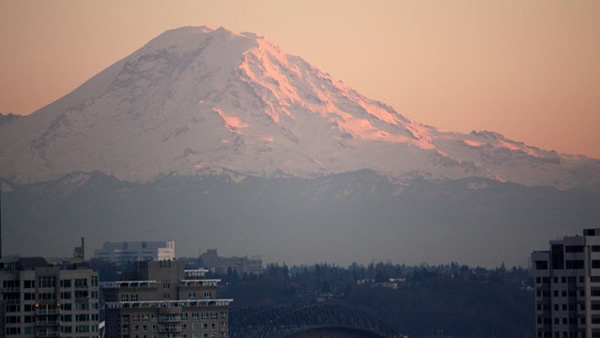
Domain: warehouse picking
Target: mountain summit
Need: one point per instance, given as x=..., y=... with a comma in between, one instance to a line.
x=197, y=100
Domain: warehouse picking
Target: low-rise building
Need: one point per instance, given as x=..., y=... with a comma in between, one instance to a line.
x=162, y=299
x=243, y=265
x=125, y=252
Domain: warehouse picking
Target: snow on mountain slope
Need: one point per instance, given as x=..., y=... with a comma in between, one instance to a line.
x=197, y=98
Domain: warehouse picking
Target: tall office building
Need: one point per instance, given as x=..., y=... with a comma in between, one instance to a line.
x=124, y=252
x=162, y=299
x=39, y=299
x=567, y=287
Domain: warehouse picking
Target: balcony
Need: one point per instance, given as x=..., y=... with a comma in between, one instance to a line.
x=170, y=329
x=47, y=311
x=196, y=272
x=11, y=289
x=129, y=284
x=169, y=319
x=199, y=282
x=46, y=323
x=47, y=334
x=168, y=305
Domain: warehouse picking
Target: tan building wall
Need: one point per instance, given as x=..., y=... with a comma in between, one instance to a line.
x=165, y=300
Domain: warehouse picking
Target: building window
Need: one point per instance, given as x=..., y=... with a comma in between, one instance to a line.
x=574, y=248
x=46, y=295
x=541, y=265
x=574, y=264
x=12, y=319
x=82, y=328
x=81, y=294
x=207, y=295
x=11, y=284
x=81, y=282
x=13, y=331
x=82, y=317
x=47, y=282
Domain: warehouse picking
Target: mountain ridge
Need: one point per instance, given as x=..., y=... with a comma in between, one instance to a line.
x=342, y=218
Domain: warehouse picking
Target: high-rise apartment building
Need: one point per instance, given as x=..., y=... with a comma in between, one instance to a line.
x=162, y=299
x=39, y=299
x=124, y=252
x=567, y=287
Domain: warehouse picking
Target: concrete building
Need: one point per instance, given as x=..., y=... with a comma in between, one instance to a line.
x=567, y=287
x=39, y=299
x=162, y=299
x=124, y=252
x=243, y=265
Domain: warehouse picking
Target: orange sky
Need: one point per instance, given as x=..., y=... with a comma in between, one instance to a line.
x=527, y=69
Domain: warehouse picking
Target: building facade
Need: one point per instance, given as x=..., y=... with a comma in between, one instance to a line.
x=567, y=287
x=162, y=299
x=243, y=265
x=39, y=299
x=124, y=252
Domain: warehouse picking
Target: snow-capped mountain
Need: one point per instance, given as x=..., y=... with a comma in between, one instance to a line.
x=196, y=100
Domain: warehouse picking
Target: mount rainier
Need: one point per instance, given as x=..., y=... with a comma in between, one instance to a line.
x=196, y=99
x=220, y=139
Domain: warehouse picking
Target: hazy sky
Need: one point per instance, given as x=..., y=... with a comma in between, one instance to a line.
x=527, y=69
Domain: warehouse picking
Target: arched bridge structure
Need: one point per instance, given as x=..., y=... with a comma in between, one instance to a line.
x=307, y=321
